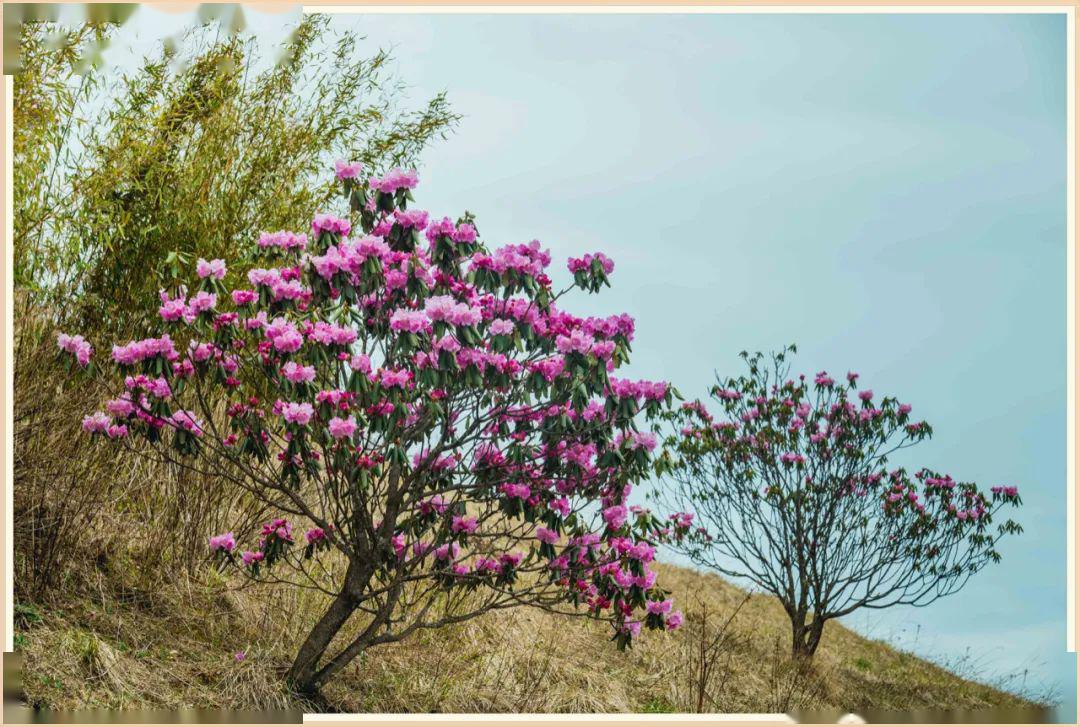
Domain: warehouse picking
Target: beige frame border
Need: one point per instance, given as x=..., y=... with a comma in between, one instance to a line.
x=1067, y=7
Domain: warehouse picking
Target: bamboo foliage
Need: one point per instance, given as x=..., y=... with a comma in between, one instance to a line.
x=191, y=154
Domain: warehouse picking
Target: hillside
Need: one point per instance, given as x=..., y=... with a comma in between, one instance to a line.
x=111, y=645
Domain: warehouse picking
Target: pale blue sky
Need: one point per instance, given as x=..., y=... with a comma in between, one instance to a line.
x=886, y=191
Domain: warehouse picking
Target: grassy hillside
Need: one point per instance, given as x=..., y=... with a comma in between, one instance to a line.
x=111, y=644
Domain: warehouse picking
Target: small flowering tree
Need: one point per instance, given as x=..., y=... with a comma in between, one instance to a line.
x=418, y=405
x=792, y=490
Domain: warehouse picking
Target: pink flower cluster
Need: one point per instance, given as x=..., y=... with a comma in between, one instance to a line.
x=347, y=170
x=77, y=346
x=213, y=269
x=394, y=180
x=148, y=348
x=583, y=264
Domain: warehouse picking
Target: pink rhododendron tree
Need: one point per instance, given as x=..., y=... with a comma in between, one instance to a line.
x=791, y=489
x=416, y=403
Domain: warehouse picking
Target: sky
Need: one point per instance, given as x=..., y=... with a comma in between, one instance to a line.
x=886, y=191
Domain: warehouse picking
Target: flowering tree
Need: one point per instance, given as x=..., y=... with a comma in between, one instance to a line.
x=792, y=491
x=422, y=406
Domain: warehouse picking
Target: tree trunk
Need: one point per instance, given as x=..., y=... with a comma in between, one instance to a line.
x=301, y=676
x=805, y=637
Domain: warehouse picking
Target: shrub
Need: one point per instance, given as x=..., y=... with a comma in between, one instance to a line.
x=793, y=492
x=422, y=405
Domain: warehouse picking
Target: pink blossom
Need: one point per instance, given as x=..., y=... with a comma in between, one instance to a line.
x=658, y=607
x=582, y=264
x=77, y=346
x=544, y=535
x=341, y=428
x=201, y=302
x=615, y=516
x=214, y=269
x=297, y=374
x=347, y=170
x=410, y=321
x=360, y=362
x=394, y=180
x=460, y=524
x=330, y=223
x=297, y=413
x=226, y=542
x=501, y=327
x=96, y=422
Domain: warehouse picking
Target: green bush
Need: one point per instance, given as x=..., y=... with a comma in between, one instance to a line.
x=185, y=156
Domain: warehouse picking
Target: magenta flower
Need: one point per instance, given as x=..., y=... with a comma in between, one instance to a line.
x=341, y=428
x=297, y=374
x=96, y=422
x=225, y=542
x=330, y=223
x=544, y=535
x=615, y=516
x=347, y=170
x=410, y=321
x=460, y=524
x=297, y=413
x=658, y=607
x=501, y=327
x=76, y=346
x=214, y=269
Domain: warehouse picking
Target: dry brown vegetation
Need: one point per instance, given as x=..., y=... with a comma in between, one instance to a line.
x=112, y=643
x=119, y=608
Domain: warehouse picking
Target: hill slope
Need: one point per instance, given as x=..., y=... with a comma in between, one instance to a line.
x=115, y=646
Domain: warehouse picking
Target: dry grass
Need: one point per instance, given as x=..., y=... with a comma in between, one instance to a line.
x=117, y=608
x=174, y=648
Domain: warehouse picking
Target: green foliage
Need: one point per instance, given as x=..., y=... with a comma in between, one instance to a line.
x=658, y=705
x=121, y=185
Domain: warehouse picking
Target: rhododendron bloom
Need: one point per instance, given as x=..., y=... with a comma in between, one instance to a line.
x=225, y=542
x=658, y=607
x=347, y=170
x=545, y=535
x=296, y=373
x=615, y=516
x=213, y=269
x=410, y=321
x=297, y=413
x=97, y=422
x=77, y=346
x=501, y=327
x=341, y=428
x=461, y=524
x=201, y=302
